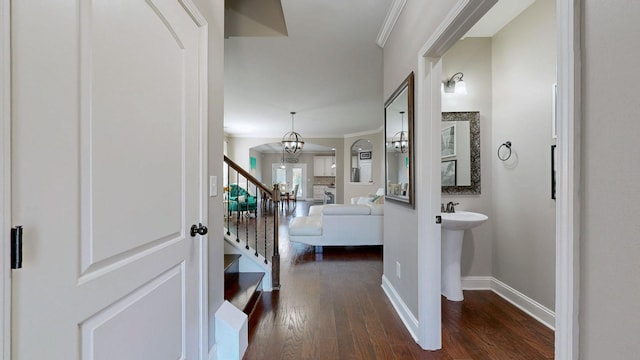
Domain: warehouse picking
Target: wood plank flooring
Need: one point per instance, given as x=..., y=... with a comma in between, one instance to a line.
x=331, y=306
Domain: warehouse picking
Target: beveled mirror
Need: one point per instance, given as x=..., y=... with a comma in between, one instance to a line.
x=398, y=133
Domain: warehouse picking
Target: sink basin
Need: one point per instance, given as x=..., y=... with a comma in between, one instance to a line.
x=453, y=228
x=462, y=220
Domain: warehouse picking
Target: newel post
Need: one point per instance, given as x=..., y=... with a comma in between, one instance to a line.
x=275, y=259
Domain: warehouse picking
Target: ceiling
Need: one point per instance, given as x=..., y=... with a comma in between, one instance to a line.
x=328, y=69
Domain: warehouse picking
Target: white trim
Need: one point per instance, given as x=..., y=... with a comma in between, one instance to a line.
x=213, y=352
x=531, y=307
x=410, y=321
x=464, y=14
x=203, y=150
x=524, y=303
x=363, y=133
x=5, y=177
x=476, y=282
x=568, y=184
x=390, y=21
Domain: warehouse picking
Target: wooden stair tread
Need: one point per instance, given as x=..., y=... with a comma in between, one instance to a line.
x=229, y=259
x=242, y=289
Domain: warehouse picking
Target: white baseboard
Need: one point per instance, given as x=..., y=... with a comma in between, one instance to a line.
x=410, y=321
x=476, y=282
x=525, y=303
x=515, y=297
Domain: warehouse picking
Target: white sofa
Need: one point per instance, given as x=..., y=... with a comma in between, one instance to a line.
x=339, y=225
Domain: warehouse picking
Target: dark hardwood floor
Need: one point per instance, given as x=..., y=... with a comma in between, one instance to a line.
x=331, y=306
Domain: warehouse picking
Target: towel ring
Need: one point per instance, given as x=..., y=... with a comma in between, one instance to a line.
x=507, y=145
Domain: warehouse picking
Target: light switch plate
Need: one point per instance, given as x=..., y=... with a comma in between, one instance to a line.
x=213, y=186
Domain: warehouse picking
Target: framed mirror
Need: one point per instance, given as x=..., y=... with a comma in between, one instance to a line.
x=460, y=138
x=398, y=133
x=361, y=160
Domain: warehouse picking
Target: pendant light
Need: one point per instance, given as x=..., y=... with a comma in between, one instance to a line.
x=292, y=142
x=400, y=140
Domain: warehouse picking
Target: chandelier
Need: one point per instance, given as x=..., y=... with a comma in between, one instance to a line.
x=400, y=141
x=292, y=142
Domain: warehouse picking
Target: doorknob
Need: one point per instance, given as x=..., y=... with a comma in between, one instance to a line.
x=198, y=229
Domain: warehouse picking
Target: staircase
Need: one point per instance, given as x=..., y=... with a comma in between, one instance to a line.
x=251, y=257
x=242, y=289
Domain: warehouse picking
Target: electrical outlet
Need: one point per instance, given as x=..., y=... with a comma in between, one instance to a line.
x=398, y=272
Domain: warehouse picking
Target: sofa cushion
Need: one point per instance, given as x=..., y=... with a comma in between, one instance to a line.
x=306, y=225
x=341, y=209
x=315, y=210
x=377, y=209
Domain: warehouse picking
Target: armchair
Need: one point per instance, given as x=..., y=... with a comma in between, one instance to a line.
x=240, y=200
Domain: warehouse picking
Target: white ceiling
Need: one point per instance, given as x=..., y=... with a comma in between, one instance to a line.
x=328, y=69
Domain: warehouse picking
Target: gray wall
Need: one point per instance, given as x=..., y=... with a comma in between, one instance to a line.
x=472, y=56
x=524, y=70
x=415, y=25
x=609, y=244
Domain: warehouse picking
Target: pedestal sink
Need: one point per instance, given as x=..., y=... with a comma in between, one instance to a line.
x=453, y=227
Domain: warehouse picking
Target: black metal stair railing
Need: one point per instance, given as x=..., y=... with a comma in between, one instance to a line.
x=251, y=211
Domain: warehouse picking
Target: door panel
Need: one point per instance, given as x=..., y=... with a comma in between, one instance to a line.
x=157, y=305
x=143, y=115
x=107, y=167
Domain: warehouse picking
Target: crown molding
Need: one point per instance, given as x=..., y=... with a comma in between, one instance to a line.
x=390, y=21
x=363, y=133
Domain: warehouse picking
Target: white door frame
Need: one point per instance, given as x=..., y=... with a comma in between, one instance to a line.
x=5, y=178
x=464, y=14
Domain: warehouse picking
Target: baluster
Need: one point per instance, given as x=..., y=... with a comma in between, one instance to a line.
x=227, y=194
x=238, y=207
x=255, y=228
x=246, y=223
x=266, y=220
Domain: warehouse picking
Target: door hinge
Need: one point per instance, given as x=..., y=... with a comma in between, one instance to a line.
x=16, y=247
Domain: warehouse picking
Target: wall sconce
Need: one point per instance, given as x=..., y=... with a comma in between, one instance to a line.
x=455, y=85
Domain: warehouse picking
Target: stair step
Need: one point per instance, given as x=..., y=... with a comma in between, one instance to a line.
x=229, y=260
x=243, y=290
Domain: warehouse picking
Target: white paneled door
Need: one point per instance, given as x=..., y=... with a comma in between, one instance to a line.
x=107, y=179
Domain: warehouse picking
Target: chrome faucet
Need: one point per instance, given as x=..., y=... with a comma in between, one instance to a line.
x=450, y=207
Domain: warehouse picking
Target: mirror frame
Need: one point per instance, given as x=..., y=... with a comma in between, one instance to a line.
x=409, y=199
x=474, y=128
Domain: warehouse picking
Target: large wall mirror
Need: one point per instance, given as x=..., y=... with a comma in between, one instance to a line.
x=398, y=132
x=460, y=137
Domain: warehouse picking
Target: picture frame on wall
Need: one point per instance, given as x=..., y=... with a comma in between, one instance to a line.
x=448, y=141
x=365, y=155
x=448, y=170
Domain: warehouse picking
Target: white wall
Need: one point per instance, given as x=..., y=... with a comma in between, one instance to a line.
x=472, y=56
x=524, y=70
x=610, y=250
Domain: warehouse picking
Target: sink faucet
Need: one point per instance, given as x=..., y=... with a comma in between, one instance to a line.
x=450, y=207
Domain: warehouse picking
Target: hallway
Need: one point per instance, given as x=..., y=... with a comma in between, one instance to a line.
x=331, y=306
